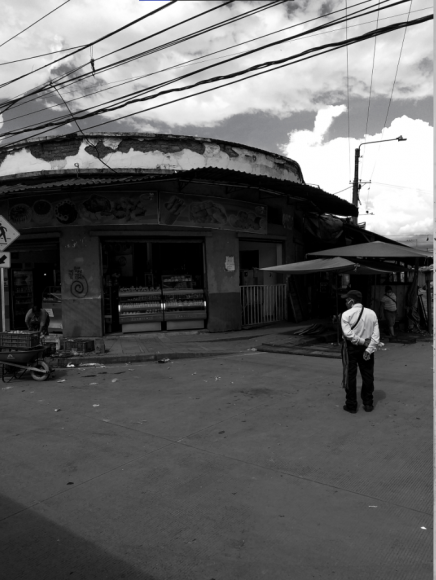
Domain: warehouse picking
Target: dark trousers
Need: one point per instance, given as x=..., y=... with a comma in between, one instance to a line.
x=366, y=367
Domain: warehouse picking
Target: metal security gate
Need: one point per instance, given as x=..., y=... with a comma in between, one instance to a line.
x=263, y=304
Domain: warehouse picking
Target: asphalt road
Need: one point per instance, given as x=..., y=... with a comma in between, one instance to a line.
x=229, y=468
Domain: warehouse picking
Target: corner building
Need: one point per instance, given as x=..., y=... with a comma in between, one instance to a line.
x=128, y=232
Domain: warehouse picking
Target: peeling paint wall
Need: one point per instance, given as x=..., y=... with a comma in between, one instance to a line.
x=154, y=152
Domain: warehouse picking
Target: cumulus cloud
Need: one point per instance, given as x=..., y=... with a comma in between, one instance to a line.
x=400, y=192
x=307, y=86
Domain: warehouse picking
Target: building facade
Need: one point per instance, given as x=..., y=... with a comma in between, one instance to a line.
x=146, y=232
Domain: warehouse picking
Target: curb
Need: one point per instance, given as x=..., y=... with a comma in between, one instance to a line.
x=124, y=358
x=299, y=351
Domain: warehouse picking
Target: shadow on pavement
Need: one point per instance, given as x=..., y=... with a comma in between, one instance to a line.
x=34, y=548
x=378, y=395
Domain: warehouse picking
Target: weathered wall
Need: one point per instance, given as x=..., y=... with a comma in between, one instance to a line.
x=223, y=286
x=143, y=151
x=81, y=284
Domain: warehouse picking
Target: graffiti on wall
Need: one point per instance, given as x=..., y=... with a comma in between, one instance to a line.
x=212, y=212
x=84, y=209
x=79, y=284
x=147, y=208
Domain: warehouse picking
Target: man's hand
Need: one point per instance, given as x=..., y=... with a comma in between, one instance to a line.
x=366, y=355
x=367, y=341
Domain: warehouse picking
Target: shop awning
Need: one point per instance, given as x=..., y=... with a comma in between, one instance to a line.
x=372, y=250
x=338, y=265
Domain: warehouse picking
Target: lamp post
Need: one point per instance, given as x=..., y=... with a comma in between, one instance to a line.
x=356, y=169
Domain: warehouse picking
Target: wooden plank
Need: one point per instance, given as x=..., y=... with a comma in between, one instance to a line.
x=294, y=302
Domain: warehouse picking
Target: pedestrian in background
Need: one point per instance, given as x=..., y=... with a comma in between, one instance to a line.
x=37, y=319
x=361, y=337
x=389, y=303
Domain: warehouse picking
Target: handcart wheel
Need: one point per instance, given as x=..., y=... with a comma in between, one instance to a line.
x=45, y=371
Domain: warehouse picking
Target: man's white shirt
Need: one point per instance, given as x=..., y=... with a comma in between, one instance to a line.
x=367, y=327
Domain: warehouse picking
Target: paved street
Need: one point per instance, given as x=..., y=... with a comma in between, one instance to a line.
x=231, y=467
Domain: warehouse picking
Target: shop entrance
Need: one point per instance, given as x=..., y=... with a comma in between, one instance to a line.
x=153, y=285
x=34, y=278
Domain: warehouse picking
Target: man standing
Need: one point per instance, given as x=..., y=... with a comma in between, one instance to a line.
x=361, y=338
x=389, y=303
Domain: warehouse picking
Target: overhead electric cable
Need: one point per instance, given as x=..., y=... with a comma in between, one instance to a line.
x=392, y=91
x=87, y=140
x=131, y=23
x=281, y=63
x=36, y=22
x=155, y=49
x=128, y=99
x=396, y=70
x=40, y=55
x=71, y=81
x=369, y=100
x=348, y=99
x=121, y=82
x=372, y=76
x=236, y=18
x=17, y=99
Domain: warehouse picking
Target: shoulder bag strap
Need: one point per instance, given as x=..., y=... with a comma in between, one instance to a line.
x=358, y=320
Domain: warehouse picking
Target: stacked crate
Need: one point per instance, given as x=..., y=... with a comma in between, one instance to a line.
x=19, y=339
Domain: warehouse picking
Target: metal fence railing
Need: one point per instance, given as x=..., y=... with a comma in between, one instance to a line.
x=263, y=304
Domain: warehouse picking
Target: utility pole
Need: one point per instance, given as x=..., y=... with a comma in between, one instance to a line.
x=356, y=182
x=356, y=170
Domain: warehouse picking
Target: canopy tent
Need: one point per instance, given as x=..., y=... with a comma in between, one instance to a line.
x=338, y=265
x=372, y=250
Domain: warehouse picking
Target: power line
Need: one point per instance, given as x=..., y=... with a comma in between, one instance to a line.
x=281, y=63
x=129, y=100
x=393, y=86
x=87, y=140
x=40, y=55
x=130, y=59
x=131, y=23
x=192, y=61
x=139, y=55
x=402, y=187
x=372, y=76
x=348, y=98
x=30, y=26
x=340, y=191
x=398, y=65
x=369, y=100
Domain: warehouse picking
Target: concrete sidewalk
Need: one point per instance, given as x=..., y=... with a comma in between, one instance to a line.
x=276, y=338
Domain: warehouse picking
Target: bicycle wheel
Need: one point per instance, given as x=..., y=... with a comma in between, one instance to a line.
x=43, y=374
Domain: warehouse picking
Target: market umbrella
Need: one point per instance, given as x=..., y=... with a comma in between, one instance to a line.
x=372, y=250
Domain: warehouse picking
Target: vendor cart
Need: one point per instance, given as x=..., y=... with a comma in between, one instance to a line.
x=15, y=363
x=21, y=352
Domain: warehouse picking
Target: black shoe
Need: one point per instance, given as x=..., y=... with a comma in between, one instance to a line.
x=349, y=410
x=368, y=408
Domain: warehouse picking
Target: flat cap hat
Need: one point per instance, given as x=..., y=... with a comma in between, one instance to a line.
x=355, y=295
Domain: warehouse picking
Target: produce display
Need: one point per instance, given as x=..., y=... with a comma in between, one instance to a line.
x=140, y=289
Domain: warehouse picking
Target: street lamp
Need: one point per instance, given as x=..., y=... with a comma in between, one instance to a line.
x=356, y=169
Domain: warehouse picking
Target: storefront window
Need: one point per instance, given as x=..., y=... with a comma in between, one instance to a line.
x=151, y=286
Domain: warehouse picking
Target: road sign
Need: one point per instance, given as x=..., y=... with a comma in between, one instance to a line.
x=5, y=259
x=8, y=233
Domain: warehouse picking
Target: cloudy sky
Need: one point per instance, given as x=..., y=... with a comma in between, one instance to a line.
x=316, y=111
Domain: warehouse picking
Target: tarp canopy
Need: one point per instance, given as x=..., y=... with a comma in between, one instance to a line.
x=372, y=250
x=339, y=265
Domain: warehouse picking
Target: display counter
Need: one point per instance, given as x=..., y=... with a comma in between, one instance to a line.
x=140, y=311
x=176, y=304
x=184, y=309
